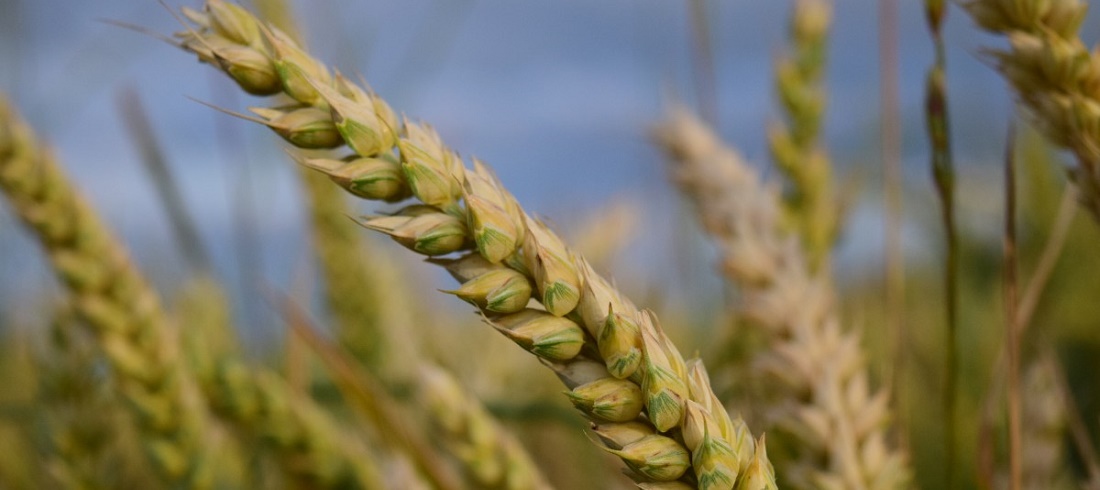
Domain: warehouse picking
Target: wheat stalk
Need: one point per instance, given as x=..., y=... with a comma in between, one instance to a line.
x=630, y=367
x=1053, y=74
x=825, y=402
x=111, y=296
x=809, y=203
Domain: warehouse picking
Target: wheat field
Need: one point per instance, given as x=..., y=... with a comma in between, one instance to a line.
x=506, y=245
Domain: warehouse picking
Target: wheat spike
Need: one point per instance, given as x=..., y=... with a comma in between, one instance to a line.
x=491, y=456
x=1053, y=74
x=825, y=401
x=312, y=450
x=111, y=296
x=808, y=203
x=467, y=210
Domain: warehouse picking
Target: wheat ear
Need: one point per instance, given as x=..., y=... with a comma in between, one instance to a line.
x=78, y=410
x=1053, y=74
x=111, y=296
x=825, y=401
x=491, y=456
x=809, y=203
x=630, y=368
x=313, y=451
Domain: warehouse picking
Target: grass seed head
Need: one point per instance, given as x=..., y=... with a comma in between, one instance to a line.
x=305, y=127
x=429, y=166
x=499, y=291
x=430, y=233
x=610, y=399
x=618, y=435
x=620, y=344
x=663, y=381
x=555, y=270
x=497, y=231
x=250, y=68
x=655, y=457
x=714, y=460
x=357, y=122
x=234, y=22
x=701, y=392
x=378, y=178
x=467, y=267
x=760, y=475
x=300, y=73
x=545, y=335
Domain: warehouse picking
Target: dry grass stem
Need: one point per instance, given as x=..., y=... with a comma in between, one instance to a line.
x=628, y=367
x=943, y=174
x=1012, y=338
x=825, y=401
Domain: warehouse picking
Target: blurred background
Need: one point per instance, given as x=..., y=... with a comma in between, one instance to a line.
x=559, y=97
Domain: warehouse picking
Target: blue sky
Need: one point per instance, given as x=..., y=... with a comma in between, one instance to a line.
x=557, y=96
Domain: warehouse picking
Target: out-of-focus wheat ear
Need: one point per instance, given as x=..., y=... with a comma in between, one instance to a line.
x=938, y=120
x=112, y=297
x=1053, y=74
x=817, y=372
x=491, y=456
x=311, y=447
x=79, y=413
x=809, y=202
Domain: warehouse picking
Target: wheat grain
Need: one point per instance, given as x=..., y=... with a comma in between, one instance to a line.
x=824, y=401
x=469, y=210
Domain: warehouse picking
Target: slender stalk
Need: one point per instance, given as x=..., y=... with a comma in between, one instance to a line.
x=1048, y=259
x=706, y=86
x=141, y=131
x=1052, y=251
x=1012, y=338
x=1077, y=426
x=943, y=173
x=893, y=190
